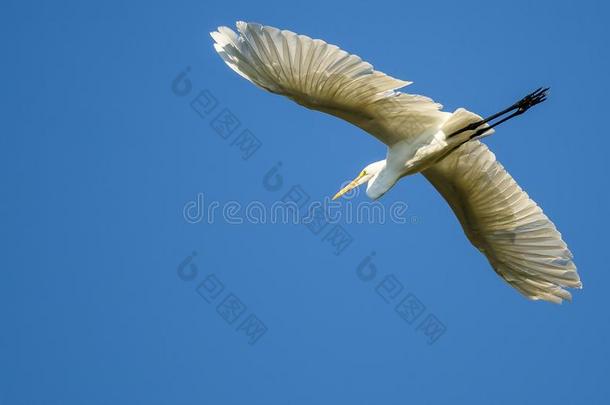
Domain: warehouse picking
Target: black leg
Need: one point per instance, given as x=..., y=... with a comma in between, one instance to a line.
x=520, y=106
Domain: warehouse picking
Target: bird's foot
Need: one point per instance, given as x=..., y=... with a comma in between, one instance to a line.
x=521, y=106
x=527, y=102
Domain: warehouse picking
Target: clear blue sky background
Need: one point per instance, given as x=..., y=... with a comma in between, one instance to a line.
x=98, y=158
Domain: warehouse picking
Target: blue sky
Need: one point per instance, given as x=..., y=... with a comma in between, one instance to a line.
x=103, y=301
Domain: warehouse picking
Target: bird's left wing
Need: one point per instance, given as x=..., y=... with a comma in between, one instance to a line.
x=520, y=242
x=323, y=77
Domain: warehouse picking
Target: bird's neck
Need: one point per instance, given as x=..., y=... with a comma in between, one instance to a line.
x=382, y=182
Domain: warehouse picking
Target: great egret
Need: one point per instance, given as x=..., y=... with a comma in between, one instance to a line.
x=520, y=242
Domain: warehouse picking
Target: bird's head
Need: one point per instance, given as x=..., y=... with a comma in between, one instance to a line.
x=369, y=174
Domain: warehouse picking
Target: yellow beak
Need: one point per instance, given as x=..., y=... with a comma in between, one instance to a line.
x=351, y=185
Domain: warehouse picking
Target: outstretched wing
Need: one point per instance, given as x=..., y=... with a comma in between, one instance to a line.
x=499, y=218
x=323, y=77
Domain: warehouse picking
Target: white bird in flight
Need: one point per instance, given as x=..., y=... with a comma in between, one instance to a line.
x=520, y=242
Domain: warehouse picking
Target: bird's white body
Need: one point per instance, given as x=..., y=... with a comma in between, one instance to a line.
x=521, y=243
x=405, y=158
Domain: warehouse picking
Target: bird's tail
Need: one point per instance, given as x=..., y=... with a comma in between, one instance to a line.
x=459, y=120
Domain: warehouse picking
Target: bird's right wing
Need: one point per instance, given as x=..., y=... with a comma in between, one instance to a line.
x=323, y=77
x=520, y=242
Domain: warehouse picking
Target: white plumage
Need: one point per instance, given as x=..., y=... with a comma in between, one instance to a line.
x=499, y=218
x=520, y=242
